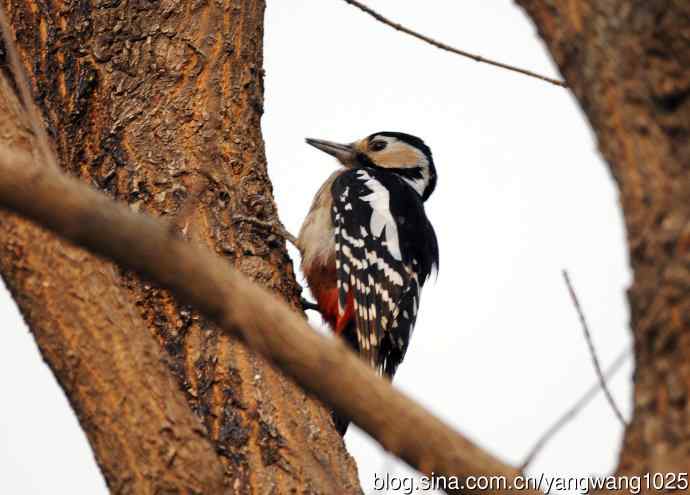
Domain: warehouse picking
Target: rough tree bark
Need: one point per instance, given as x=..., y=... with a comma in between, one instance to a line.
x=159, y=105
x=628, y=64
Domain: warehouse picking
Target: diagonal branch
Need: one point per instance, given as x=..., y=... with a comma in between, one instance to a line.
x=574, y=410
x=323, y=366
x=448, y=48
x=592, y=350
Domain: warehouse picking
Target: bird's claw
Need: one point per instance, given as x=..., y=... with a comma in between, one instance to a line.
x=308, y=305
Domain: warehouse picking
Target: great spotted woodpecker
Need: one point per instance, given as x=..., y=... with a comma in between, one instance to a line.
x=367, y=246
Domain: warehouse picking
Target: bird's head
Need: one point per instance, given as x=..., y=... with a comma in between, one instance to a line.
x=395, y=152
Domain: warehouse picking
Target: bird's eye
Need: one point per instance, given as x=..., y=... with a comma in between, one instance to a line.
x=378, y=145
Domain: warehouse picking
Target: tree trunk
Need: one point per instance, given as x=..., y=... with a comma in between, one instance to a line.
x=159, y=105
x=628, y=64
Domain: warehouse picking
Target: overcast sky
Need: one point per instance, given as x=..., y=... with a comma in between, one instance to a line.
x=522, y=193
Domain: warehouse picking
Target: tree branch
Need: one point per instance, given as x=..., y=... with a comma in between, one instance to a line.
x=448, y=48
x=592, y=350
x=321, y=365
x=574, y=410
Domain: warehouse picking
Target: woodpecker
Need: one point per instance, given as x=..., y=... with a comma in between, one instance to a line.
x=367, y=246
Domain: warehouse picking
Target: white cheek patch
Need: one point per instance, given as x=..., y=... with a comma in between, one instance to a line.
x=381, y=217
x=419, y=185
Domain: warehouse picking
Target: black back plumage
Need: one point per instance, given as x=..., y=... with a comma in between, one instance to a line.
x=385, y=251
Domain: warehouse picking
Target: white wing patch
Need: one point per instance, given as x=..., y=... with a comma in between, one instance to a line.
x=381, y=217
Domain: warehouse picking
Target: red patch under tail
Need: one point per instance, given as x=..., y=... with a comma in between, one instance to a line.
x=328, y=302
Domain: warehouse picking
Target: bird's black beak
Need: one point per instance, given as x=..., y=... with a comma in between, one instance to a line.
x=345, y=153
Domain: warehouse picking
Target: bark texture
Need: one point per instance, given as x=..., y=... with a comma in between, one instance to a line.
x=144, y=436
x=159, y=105
x=87, y=332
x=628, y=64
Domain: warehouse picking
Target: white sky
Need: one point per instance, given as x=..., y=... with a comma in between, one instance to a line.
x=498, y=351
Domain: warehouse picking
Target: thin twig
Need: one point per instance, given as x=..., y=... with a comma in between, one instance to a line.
x=25, y=91
x=448, y=48
x=592, y=351
x=574, y=410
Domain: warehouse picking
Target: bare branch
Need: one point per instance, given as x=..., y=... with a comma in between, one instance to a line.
x=25, y=92
x=574, y=410
x=323, y=366
x=448, y=48
x=592, y=350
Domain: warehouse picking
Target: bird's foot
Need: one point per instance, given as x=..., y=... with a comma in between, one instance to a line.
x=308, y=305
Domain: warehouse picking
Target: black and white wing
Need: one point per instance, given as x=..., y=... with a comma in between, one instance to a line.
x=385, y=251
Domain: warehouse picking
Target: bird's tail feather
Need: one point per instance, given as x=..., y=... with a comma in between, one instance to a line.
x=349, y=334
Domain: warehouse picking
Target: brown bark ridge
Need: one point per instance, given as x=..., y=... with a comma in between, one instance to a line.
x=141, y=429
x=159, y=104
x=628, y=64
